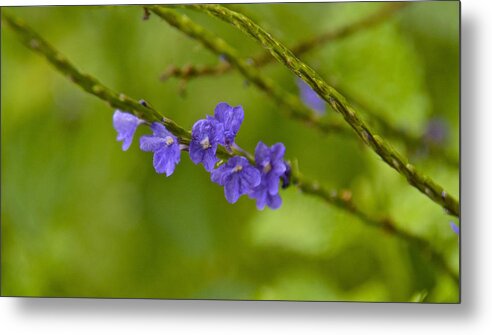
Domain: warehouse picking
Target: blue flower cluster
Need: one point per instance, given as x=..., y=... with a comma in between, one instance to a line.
x=260, y=181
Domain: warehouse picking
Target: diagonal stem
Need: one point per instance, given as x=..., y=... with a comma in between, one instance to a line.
x=294, y=107
x=302, y=47
x=339, y=103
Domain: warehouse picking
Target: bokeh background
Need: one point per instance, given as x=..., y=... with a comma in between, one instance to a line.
x=82, y=218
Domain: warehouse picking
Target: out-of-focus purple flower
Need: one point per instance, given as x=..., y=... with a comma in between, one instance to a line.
x=165, y=147
x=436, y=131
x=231, y=118
x=125, y=125
x=454, y=227
x=237, y=176
x=205, y=136
x=310, y=97
x=270, y=162
x=223, y=58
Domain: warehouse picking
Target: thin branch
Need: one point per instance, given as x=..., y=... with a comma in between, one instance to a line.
x=339, y=103
x=342, y=200
x=294, y=107
x=412, y=142
x=88, y=83
x=265, y=58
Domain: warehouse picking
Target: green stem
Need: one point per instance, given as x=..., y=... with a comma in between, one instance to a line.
x=91, y=85
x=413, y=142
x=294, y=107
x=265, y=58
x=248, y=70
x=339, y=103
x=88, y=83
x=343, y=200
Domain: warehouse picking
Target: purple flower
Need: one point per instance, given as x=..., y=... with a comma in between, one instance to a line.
x=264, y=198
x=310, y=97
x=454, y=227
x=231, y=118
x=237, y=176
x=165, y=147
x=270, y=162
x=205, y=136
x=125, y=124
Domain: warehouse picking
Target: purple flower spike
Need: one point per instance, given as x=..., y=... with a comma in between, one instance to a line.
x=125, y=124
x=237, y=176
x=454, y=227
x=310, y=97
x=231, y=118
x=205, y=136
x=165, y=147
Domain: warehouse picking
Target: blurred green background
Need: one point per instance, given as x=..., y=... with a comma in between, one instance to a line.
x=82, y=218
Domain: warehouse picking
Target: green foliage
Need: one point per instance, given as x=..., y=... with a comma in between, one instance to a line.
x=82, y=218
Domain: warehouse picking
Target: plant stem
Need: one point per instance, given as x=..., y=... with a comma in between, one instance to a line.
x=294, y=107
x=91, y=85
x=339, y=103
x=220, y=47
x=190, y=72
x=343, y=200
x=88, y=83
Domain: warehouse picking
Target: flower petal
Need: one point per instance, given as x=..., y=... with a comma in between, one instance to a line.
x=262, y=154
x=160, y=161
x=125, y=125
x=272, y=183
x=151, y=143
x=261, y=200
x=278, y=151
x=196, y=152
x=220, y=174
x=251, y=176
x=165, y=159
x=279, y=168
x=231, y=189
x=160, y=130
x=274, y=201
x=209, y=160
